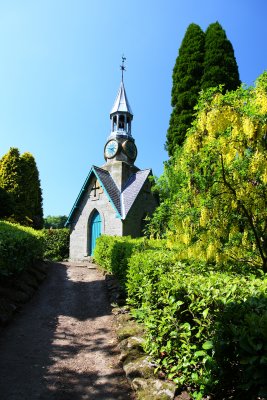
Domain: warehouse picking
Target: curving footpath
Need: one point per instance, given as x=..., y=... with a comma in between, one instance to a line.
x=62, y=345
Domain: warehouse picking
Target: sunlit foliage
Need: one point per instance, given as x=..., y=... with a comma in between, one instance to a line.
x=32, y=193
x=20, y=248
x=19, y=180
x=219, y=212
x=55, y=222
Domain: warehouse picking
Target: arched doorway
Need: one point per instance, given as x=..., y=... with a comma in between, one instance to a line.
x=94, y=231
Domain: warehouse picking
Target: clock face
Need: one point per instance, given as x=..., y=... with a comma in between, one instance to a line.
x=130, y=149
x=111, y=148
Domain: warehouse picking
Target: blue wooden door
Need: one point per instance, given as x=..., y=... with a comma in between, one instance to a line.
x=95, y=231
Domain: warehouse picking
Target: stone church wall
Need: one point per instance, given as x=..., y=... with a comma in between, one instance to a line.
x=144, y=204
x=110, y=224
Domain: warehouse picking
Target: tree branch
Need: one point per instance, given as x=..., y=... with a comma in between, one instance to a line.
x=247, y=214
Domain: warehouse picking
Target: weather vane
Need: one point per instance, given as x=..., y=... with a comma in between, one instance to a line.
x=122, y=66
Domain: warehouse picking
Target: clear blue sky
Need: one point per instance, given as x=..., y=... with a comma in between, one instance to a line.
x=59, y=76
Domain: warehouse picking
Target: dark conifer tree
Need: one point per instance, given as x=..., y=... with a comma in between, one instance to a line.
x=187, y=74
x=204, y=61
x=32, y=194
x=10, y=181
x=220, y=66
x=6, y=204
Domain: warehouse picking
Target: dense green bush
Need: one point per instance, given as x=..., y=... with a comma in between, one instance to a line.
x=240, y=346
x=207, y=329
x=55, y=222
x=113, y=252
x=56, y=242
x=20, y=247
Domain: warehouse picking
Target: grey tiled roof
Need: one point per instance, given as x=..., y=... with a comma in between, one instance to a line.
x=131, y=190
x=121, y=201
x=110, y=186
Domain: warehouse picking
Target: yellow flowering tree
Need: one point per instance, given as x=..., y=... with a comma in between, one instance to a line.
x=219, y=212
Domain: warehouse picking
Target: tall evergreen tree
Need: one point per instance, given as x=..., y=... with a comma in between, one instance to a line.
x=10, y=181
x=6, y=204
x=32, y=194
x=187, y=74
x=220, y=66
x=204, y=61
x=19, y=177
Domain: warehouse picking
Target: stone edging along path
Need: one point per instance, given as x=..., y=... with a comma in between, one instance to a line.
x=138, y=366
x=16, y=292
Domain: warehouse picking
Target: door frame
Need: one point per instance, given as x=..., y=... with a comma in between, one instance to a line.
x=89, y=230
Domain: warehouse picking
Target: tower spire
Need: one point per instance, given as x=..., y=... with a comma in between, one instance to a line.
x=122, y=66
x=120, y=145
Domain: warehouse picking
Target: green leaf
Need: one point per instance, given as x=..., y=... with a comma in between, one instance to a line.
x=194, y=376
x=205, y=312
x=207, y=345
x=199, y=353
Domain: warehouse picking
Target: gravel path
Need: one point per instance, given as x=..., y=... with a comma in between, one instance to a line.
x=62, y=345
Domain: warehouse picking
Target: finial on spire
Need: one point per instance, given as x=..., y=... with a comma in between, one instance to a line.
x=122, y=66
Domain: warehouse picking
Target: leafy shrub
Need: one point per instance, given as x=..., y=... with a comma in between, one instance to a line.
x=20, y=247
x=214, y=188
x=201, y=323
x=56, y=244
x=241, y=346
x=55, y=222
x=206, y=327
x=114, y=252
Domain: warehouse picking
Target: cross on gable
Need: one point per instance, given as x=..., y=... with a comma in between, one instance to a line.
x=95, y=188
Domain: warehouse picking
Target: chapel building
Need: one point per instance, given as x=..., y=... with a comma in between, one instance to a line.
x=115, y=198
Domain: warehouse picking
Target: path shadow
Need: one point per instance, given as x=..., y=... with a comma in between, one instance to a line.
x=34, y=344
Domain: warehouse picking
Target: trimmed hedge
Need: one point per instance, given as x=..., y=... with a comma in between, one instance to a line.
x=206, y=328
x=56, y=244
x=20, y=248
x=114, y=252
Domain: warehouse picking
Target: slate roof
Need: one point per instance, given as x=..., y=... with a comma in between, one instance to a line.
x=121, y=201
x=121, y=103
x=104, y=177
x=131, y=190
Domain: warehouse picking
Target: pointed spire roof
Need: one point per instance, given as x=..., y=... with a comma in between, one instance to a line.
x=121, y=103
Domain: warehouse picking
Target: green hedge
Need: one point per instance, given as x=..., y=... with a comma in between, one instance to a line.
x=20, y=248
x=206, y=328
x=114, y=252
x=56, y=244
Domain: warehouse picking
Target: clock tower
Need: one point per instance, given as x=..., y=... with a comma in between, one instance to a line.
x=120, y=151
